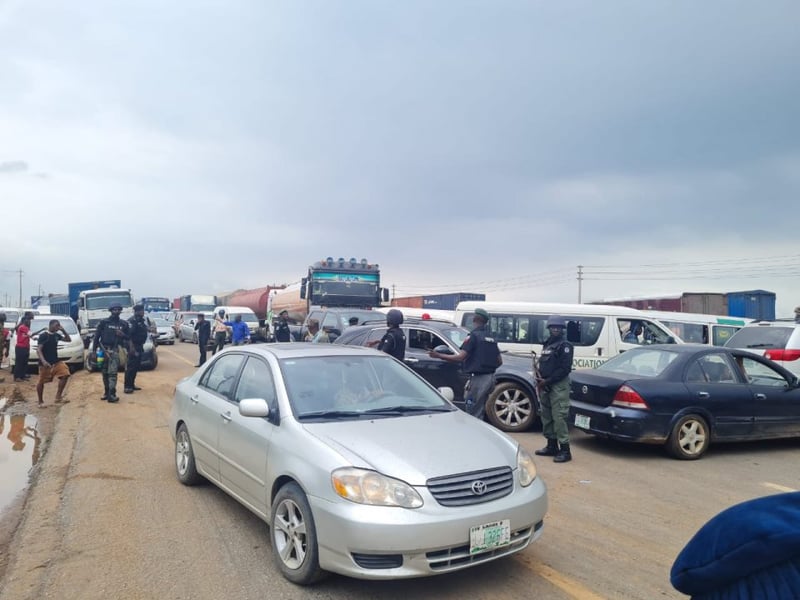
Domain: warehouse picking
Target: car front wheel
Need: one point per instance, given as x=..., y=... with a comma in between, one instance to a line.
x=690, y=438
x=511, y=407
x=294, y=537
x=184, y=458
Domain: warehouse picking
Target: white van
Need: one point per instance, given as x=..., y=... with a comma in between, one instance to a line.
x=248, y=316
x=597, y=332
x=697, y=328
x=421, y=313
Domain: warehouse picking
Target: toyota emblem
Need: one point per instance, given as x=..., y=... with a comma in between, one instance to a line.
x=585, y=389
x=479, y=487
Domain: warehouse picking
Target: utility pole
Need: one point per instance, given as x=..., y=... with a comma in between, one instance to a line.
x=20, y=288
x=394, y=291
x=580, y=284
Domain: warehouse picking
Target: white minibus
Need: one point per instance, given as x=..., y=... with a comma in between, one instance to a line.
x=596, y=331
x=697, y=328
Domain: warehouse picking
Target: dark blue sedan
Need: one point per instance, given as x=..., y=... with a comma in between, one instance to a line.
x=686, y=396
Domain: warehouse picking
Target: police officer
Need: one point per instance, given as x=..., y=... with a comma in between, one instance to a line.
x=393, y=341
x=555, y=364
x=282, y=331
x=481, y=357
x=203, y=329
x=112, y=333
x=138, y=336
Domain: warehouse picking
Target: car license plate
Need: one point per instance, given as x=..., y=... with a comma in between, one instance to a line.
x=488, y=536
x=582, y=421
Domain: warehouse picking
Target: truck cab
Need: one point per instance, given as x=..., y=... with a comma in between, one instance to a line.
x=93, y=307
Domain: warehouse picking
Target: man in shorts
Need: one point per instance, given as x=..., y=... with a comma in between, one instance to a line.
x=50, y=367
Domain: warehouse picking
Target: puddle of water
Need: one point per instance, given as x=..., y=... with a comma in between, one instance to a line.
x=20, y=446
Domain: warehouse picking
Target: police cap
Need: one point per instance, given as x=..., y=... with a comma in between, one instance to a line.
x=556, y=321
x=481, y=313
x=115, y=306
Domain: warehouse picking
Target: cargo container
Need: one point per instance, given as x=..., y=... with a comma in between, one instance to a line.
x=256, y=300
x=408, y=302
x=707, y=303
x=450, y=301
x=753, y=304
x=176, y=303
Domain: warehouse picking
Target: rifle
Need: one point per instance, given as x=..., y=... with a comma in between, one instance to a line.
x=538, y=380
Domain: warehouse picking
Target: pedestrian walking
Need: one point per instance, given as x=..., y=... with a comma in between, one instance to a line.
x=203, y=329
x=138, y=331
x=393, y=341
x=22, y=350
x=481, y=357
x=282, y=331
x=315, y=335
x=111, y=336
x=220, y=332
x=50, y=366
x=555, y=365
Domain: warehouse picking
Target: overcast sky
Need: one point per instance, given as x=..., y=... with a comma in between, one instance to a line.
x=201, y=147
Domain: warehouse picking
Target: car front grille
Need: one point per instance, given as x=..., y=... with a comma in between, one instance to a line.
x=378, y=561
x=475, y=487
x=459, y=556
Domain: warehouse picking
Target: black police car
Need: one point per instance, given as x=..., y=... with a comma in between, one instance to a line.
x=512, y=405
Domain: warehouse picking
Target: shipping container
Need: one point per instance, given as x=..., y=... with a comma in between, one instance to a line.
x=707, y=303
x=176, y=303
x=753, y=304
x=408, y=302
x=450, y=301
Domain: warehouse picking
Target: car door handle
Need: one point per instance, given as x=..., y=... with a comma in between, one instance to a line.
x=761, y=396
x=412, y=360
x=194, y=399
x=703, y=395
x=226, y=416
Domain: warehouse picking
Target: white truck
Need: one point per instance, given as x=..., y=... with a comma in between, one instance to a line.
x=93, y=307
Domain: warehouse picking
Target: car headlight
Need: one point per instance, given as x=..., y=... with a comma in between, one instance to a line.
x=526, y=467
x=370, y=487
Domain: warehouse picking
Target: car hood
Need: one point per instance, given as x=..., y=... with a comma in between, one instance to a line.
x=416, y=448
x=164, y=329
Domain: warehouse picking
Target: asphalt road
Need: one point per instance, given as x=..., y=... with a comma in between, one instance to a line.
x=107, y=518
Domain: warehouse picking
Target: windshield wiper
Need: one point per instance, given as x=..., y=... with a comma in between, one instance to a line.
x=399, y=410
x=330, y=414
x=760, y=345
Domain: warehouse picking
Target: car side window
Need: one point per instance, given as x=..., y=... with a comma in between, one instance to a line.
x=758, y=373
x=256, y=382
x=715, y=368
x=722, y=333
x=331, y=320
x=376, y=335
x=221, y=376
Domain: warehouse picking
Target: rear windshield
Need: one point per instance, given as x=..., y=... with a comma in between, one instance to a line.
x=643, y=363
x=760, y=337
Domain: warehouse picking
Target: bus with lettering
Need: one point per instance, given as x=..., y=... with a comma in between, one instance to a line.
x=597, y=332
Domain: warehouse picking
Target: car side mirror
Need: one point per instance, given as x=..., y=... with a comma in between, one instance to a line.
x=447, y=393
x=671, y=340
x=253, y=407
x=442, y=349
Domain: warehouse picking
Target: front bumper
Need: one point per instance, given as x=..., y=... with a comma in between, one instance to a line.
x=625, y=424
x=361, y=541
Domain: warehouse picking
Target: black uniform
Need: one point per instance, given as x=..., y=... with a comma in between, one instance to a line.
x=393, y=342
x=203, y=329
x=555, y=364
x=138, y=336
x=106, y=336
x=482, y=360
x=282, y=331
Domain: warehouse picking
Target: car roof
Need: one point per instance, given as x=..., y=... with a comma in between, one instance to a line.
x=304, y=350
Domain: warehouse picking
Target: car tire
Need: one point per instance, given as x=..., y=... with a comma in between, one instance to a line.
x=194, y=338
x=185, y=467
x=690, y=438
x=87, y=363
x=511, y=407
x=294, y=536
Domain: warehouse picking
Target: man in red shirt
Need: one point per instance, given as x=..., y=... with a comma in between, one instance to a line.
x=22, y=351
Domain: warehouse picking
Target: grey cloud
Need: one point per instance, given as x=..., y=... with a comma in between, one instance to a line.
x=13, y=166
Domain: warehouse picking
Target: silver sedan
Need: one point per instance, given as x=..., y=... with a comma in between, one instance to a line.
x=358, y=465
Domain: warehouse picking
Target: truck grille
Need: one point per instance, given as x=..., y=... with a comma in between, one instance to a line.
x=475, y=487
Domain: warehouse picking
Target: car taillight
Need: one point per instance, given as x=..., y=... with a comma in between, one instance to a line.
x=629, y=398
x=780, y=354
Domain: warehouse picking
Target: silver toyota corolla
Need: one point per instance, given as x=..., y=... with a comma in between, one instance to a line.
x=359, y=466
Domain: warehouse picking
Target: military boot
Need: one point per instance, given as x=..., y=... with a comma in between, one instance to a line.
x=550, y=450
x=105, y=388
x=563, y=455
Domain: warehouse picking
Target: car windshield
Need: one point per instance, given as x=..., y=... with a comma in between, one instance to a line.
x=43, y=323
x=95, y=302
x=363, y=316
x=12, y=316
x=353, y=387
x=160, y=322
x=641, y=362
x=456, y=335
x=246, y=317
x=760, y=337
